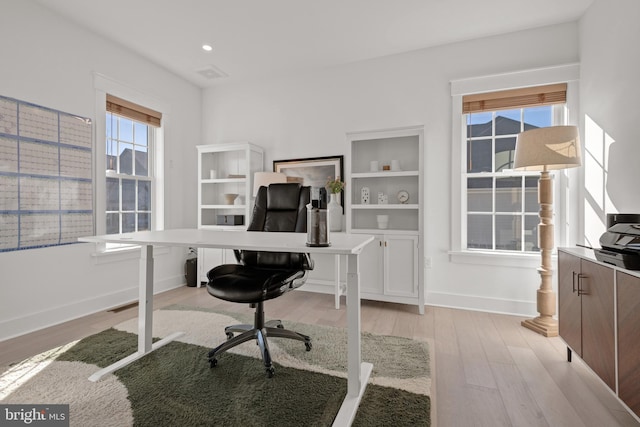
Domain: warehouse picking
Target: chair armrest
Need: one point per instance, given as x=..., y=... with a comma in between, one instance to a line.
x=309, y=264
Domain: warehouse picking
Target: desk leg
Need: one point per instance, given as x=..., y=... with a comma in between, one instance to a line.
x=358, y=372
x=145, y=317
x=336, y=279
x=145, y=299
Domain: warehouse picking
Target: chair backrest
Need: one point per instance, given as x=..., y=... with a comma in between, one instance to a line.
x=283, y=208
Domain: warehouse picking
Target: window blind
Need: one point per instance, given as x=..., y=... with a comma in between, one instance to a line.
x=133, y=111
x=515, y=98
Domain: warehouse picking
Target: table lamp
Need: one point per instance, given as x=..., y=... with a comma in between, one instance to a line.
x=263, y=179
x=545, y=149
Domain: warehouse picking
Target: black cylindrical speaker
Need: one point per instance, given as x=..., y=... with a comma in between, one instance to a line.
x=191, y=272
x=615, y=218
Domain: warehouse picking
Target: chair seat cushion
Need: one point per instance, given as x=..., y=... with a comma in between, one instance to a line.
x=245, y=284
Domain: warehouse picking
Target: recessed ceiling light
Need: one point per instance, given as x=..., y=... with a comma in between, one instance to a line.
x=207, y=47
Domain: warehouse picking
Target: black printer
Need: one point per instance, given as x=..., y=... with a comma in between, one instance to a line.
x=620, y=246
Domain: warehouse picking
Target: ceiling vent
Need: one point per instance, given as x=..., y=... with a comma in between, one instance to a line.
x=212, y=72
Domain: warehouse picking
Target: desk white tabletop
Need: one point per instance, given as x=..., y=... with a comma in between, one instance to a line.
x=341, y=243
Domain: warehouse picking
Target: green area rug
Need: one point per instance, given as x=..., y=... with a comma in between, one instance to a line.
x=174, y=386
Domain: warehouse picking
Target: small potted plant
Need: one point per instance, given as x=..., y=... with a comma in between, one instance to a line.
x=335, y=186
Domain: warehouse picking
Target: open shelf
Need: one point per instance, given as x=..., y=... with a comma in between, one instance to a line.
x=226, y=169
x=388, y=206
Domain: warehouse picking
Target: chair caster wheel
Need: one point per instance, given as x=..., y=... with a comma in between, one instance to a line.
x=270, y=372
x=213, y=362
x=308, y=346
x=229, y=335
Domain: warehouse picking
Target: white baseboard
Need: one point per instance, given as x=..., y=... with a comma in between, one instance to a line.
x=442, y=299
x=35, y=321
x=481, y=303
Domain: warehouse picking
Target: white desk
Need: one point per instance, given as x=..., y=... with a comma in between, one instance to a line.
x=350, y=245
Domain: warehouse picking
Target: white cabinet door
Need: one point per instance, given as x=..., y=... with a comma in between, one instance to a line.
x=209, y=258
x=389, y=266
x=401, y=265
x=371, y=267
x=323, y=269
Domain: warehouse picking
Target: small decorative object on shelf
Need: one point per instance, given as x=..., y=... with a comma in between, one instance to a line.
x=230, y=198
x=364, y=195
x=230, y=219
x=382, y=198
x=386, y=167
x=373, y=166
x=335, y=186
x=403, y=196
x=383, y=221
x=395, y=165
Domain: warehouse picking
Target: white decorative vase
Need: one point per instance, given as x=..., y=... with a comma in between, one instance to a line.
x=383, y=221
x=335, y=212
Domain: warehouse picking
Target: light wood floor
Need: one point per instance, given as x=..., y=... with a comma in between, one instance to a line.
x=488, y=370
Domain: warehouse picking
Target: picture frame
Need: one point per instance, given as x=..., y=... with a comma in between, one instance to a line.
x=313, y=171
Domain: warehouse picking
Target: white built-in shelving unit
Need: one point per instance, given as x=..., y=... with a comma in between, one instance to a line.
x=224, y=169
x=391, y=267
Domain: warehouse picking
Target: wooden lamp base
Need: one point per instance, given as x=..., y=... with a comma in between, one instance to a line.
x=545, y=324
x=545, y=327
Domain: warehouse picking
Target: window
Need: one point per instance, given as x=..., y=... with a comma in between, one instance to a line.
x=129, y=189
x=502, y=204
x=129, y=176
x=131, y=172
x=494, y=208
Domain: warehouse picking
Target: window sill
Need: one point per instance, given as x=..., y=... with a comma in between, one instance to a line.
x=499, y=259
x=124, y=253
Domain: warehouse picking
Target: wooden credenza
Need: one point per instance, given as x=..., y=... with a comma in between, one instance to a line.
x=599, y=316
x=628, y=340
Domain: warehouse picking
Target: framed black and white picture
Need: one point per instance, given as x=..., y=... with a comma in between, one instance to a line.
x=313, y=171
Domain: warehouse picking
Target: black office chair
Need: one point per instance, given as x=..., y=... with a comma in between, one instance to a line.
x=261, y=276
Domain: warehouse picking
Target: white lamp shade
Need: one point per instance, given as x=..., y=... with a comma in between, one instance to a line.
x=263, y=179
x=555, y=147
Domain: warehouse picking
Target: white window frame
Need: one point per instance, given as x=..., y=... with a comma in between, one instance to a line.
x=569, y=74
x=558, y=112
x=102, y=86
x=150, y=177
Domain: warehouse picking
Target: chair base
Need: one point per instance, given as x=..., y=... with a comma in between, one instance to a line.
x=259, y=331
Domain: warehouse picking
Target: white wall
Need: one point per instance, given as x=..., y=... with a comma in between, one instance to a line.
x=48, y=61
x=609, y=36
x=307, y=115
